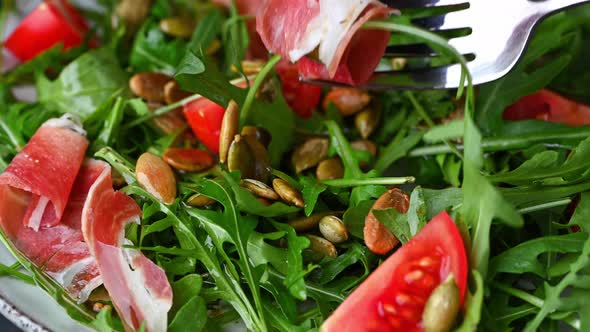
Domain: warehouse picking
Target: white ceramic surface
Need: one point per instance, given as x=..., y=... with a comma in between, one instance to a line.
x=29, y=307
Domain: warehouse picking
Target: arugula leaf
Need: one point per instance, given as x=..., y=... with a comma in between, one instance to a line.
x=153, y=51
x=473, y=305
x=395, y=150
x=84, y=85
x=191, y=317
x=525, y=256
x=311, y=191
x=395, y=222
x=296, y=244
x=207, y=29
x=354, y=217
x=332, y=269
x=235, y=38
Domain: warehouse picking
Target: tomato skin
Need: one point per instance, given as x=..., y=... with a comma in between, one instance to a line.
x=548, y=106
x=302, y=98
x=392, y=298
x=50, y=23
x=204, y=118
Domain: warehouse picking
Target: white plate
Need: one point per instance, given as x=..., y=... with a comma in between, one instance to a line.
x=29, y=307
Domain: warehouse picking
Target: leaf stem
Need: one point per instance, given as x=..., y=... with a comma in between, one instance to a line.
x=545, y=206
x=369, y=181
x=551, y=138
x=258, y=81
x=526, y=297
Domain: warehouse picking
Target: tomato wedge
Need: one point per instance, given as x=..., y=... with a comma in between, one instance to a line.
x=205, y=117
x=302, y=98
x=51, y=22
x=393, y=296
x=548, y=106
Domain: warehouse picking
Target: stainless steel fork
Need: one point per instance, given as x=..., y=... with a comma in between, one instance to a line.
x=499, y=30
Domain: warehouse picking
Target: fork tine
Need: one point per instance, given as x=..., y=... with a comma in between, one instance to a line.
x=449, y=21
x=410, y=50
x=401, y=4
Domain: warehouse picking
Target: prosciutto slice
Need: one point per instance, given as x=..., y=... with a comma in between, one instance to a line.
x=60, y=250
x=345, y=52
x=138, y=288
x=46, y=169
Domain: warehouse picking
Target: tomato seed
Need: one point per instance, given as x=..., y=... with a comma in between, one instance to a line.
x=413, y=276
x=389, y=308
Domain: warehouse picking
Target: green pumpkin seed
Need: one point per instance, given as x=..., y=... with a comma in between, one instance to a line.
x=133, y=13
x=240, y=157
x=229, y=129
x=310, y=153
x=321, y=246
x=304, y=224
x=262, y=135
x=329, y=169
x=262, y=166
x=366, y=122
x=198, y=200
x=288, y=194
x=365, y=145
x=177, y=27
x=442, y=307
x=333, y=229
x=259, y=189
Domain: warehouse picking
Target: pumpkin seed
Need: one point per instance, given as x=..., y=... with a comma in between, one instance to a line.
x=308, y=223
x=133, y=13
x=173, y=93
x=156, y=177
x=213, y=47
x=442, y=307
x=249, y=67
x=333, y=229
x=322, y=246
x=366, y=121
x=181, y=27
x=168, y=123
x=240, y=157
x=262, y=166
x=149, y=86
x=398, y=63
x=348, y=101
x=259, y=189
x=199, y=200
x=310, y=153
x=261, y=134
x=288, y=194
x=329, y=169
x=188, y=159
x=229, y=129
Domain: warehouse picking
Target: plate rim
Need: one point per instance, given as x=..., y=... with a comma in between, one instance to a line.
x=19, y=318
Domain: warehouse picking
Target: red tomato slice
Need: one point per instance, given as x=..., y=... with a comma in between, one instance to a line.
x=302, y=98
x=52, y=22
x=393, y=296
x=205, y=117
x=548, y=106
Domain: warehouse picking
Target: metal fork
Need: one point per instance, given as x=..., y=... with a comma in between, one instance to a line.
x=499, y=30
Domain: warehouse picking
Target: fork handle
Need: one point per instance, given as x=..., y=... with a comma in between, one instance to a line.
x=549, y=6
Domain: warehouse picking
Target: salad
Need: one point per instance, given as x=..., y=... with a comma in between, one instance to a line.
x=173, y=173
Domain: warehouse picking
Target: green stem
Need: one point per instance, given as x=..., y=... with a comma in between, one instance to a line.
x=326, y=294
x=370, y=181
x=424, y=115
x=526, y=297
x=255, y=86
x=162, y=110
x=13, y=272
x=550, y=138
x=545, y=206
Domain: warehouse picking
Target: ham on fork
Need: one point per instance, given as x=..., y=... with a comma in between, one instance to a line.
x=138, y=288
x=330, y=29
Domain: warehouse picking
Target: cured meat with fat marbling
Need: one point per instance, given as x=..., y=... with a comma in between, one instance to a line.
x=331, y=29
x=46, y=168
x=138, y=288
x=59, y=250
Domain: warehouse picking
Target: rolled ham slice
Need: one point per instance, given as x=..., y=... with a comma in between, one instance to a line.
x=345, y=52
x=59, y=250
x=46, y=169
x=138, y=288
